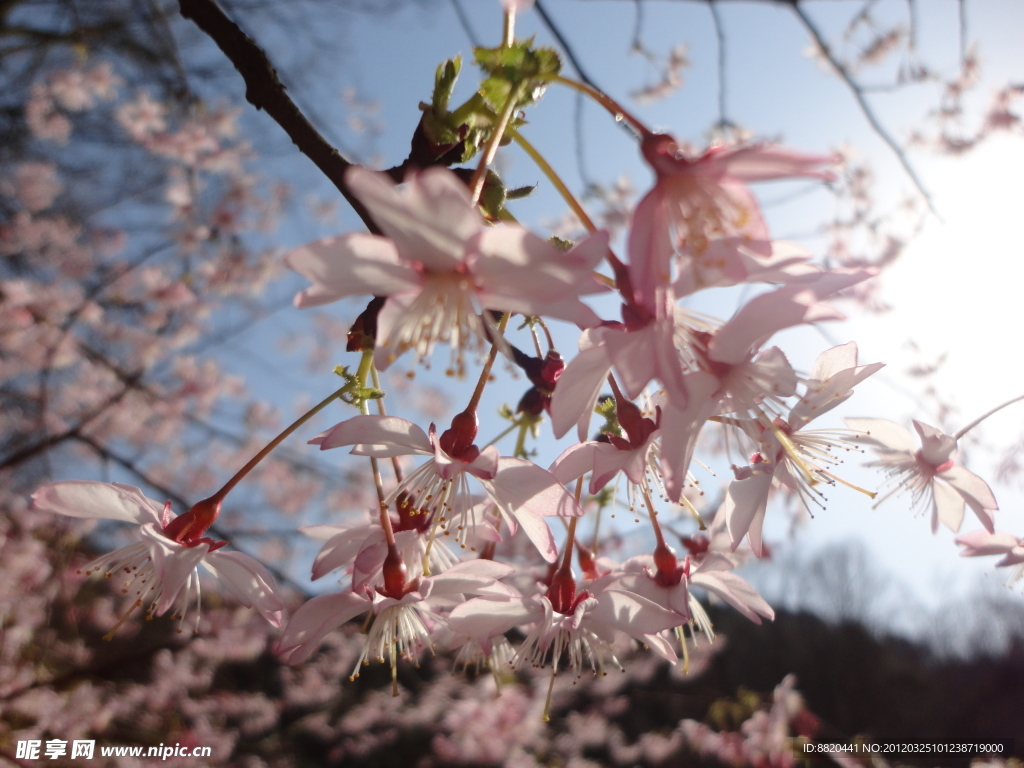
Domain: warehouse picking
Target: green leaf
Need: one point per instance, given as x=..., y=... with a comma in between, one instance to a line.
x=519, y=65
x=444, y=83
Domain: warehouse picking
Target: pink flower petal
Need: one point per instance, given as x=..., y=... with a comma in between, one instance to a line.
x=975, y=493
x=173, y=565
x=430, y=219
x=736, y=592
x=982, y=543
x=947, y=507
x=745, y=503
x=631, y=613
x=316, y=619
x=248, y=581
x=886, y=434
x=936, y=446
x=578, y=389
x=378, y=436
x=485, y=617
x=98, y=501
x=473, y=577
x=350, y=265
x=765, y=162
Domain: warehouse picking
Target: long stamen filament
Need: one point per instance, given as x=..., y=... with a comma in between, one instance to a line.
x=693, y=511
x=653, y=515
x=110, y=635
x=838, y=479
x=793, y=453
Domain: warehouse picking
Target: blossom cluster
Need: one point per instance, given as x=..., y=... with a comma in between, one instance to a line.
x=446, y=264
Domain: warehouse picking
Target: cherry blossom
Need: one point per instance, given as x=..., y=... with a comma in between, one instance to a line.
x=696, y=201
x=161, y=569
x=440, y=267
x=582, y=627
x=797, y=458
x=928, y=472
x=985, y=543
x=522, y=492
x=403, y=621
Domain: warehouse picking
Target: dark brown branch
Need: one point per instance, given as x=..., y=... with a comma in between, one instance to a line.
x=865, y=107
x=265, y=91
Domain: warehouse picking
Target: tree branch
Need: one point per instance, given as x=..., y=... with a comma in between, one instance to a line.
x=265, y=91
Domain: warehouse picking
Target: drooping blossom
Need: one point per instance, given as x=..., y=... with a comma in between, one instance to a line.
x=696, y=201
x=160, y=570
x=929, y=472
x=797, y=458
x=440, y=267
x=984, y=543
x=734, y=377
x=404, y=618
x=580, y=625
x=632, y=454
x=522, y=492
x=663, y=580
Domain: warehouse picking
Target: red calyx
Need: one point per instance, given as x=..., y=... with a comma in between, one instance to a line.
x=697, y=545
x=587, y=562
x=932, y=468
x=718, y=369
x=394, y=573
x=562, y=592
x=188, y=529
x=668, y=572
x=457, y=440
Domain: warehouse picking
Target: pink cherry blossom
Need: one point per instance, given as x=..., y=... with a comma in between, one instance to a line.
x=161, y=568
x=522, y=492
x=798, y=458
x=583, y=629
x=402, y=624
x=733, y=377
x=984, y=543
x=928, y=472
x=697, y=201
x=440, y=267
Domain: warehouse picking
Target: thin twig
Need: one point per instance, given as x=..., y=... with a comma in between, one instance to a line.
x=460, y=12
x=723, y=120
x=865, y=107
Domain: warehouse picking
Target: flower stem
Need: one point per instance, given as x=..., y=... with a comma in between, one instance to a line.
x=476, y=185
x=556, y=180
x=219, y=495
x=658, y=536
x=474, y=401
x=508, y=32
x=503, y=433
x=365, y=369
x=616, y=109
x=984, y=416
x=383, y=412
